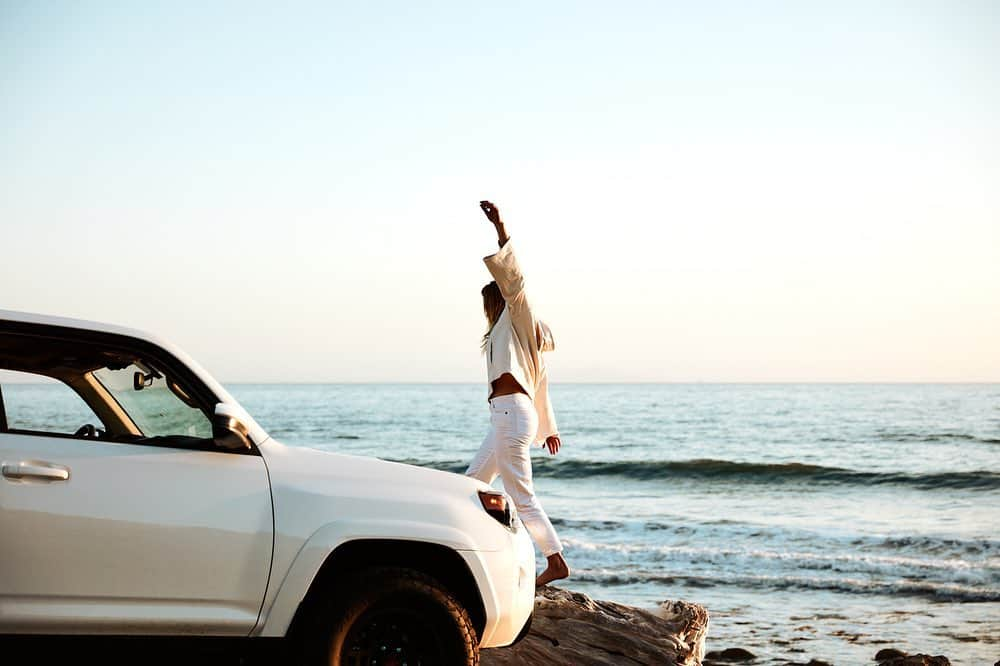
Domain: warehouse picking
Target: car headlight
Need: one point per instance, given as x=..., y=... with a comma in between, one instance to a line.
x=497, y=505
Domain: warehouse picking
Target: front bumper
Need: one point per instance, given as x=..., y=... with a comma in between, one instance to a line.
x=506, y=580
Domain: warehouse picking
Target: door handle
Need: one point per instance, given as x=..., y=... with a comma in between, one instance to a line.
x=35, y=470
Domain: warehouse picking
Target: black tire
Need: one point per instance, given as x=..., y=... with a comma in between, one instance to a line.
x=392, y=616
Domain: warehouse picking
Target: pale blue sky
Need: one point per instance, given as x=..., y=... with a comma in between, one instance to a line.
x=700, y=191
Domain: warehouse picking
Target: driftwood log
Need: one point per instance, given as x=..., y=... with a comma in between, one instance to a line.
x=571, y=628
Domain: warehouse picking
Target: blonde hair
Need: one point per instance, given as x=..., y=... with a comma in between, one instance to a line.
x=493, y=305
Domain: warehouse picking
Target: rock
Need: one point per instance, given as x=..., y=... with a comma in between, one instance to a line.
x=894, y=657
x=571, y=628
x=917, y=660
x=886, y=654
x=731, y=655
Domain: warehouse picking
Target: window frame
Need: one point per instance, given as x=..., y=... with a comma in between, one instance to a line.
x=3, y=413
x=205, y=398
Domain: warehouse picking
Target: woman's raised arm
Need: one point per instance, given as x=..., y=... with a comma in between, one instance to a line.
x=505, y=269
x=493, y=215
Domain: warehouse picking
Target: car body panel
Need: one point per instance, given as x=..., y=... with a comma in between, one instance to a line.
x=507, y=583
x=139, y=539
x=323, y=500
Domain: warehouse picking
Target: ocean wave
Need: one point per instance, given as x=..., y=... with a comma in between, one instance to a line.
x=893, y=436
x=934, y=545
x=706, y=469
x=725, y=531
x=753, y=558
x=932, y=590
x=601, y=525
x=728, y=530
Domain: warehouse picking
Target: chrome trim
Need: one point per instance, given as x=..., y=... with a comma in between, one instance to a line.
x=33, y=469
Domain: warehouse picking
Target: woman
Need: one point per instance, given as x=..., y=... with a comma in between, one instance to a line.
x=520, y=412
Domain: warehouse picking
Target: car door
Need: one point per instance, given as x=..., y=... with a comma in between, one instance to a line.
x=125, y=538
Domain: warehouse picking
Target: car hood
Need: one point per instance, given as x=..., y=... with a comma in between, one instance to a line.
x=303, y=464
x=356, y=497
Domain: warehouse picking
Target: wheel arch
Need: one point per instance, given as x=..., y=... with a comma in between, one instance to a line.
x=439, y=562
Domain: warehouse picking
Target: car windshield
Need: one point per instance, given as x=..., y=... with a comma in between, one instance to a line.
x=157, y=408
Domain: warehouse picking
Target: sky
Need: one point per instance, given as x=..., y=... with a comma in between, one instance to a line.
x=717, y=191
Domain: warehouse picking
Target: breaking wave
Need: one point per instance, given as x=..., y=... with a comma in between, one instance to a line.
x=744, y=472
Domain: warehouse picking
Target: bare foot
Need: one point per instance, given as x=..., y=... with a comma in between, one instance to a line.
x=556, y=570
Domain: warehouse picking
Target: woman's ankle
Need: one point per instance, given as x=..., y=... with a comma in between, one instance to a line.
x=557, y=569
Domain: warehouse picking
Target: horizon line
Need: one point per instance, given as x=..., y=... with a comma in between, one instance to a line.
x=630, y=382
x=781, y=382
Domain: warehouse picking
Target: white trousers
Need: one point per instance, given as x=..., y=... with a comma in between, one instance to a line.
x=506, y=452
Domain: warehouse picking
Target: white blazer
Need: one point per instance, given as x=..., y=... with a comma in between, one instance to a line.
x=517, y=340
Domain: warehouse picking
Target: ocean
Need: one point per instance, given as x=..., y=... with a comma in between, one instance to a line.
x=814, y=521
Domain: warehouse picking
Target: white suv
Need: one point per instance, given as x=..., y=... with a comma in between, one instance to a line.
x=167, y=511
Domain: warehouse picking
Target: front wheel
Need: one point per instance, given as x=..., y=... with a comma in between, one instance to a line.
x=396, y=617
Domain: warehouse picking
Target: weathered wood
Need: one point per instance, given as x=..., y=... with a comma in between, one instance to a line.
x=571, y=628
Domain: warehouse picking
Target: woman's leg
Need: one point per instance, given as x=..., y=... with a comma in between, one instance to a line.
x=484, y=463
x=513, y=457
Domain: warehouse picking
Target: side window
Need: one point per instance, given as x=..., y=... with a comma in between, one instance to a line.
x=41, y=404
x=50, y=384
x=157, y=409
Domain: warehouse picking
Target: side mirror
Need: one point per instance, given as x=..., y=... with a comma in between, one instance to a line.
x=228, y=431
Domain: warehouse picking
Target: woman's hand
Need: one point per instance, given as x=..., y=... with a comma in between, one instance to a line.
x=493, y=215
x=553, y=443
x=491, y=211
